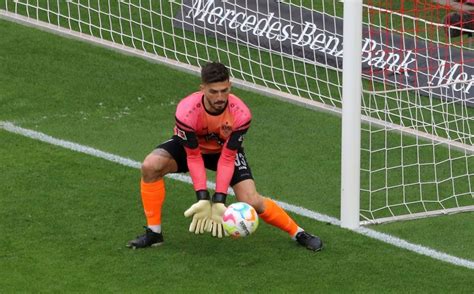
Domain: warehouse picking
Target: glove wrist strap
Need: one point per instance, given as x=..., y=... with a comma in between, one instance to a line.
x=202, y=195
x=219, y=198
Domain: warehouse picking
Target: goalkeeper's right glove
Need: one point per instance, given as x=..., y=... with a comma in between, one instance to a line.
x=201, y=212
x=218, y=209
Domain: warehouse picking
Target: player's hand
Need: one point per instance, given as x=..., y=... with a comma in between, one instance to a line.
x=201, y=213
x=217, y=227
x=217, y=211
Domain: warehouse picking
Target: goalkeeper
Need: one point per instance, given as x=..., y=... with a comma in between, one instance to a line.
x=209, y=131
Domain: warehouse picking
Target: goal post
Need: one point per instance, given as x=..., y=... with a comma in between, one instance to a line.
x=351, y=114
x=400, y=73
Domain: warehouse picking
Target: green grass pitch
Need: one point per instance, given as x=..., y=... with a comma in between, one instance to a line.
x=66, y=216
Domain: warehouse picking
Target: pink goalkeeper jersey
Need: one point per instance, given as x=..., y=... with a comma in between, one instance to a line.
x=213, y=132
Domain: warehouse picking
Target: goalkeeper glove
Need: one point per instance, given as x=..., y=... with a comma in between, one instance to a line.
x=201, y=212
x=217, y=211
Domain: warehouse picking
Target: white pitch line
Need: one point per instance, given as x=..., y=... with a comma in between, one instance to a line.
x=10, y=127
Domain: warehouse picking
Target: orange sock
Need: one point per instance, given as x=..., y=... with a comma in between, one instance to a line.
x=153, y=196
x=276, y=216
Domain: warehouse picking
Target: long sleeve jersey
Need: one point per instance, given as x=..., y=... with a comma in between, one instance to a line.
x=205, y=133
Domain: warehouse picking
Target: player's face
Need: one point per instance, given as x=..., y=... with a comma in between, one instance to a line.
x=216, y=95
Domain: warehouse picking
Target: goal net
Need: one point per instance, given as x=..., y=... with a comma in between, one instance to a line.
x=417, y=75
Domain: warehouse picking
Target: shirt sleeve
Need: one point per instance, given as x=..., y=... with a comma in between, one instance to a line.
x=226, y=163
x=196, y=168
x=225, y=169
x=185, y=130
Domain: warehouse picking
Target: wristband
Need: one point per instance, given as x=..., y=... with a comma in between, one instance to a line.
x=202, y=195
x=219, y=198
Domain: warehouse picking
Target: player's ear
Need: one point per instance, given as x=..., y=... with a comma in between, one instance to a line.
x=201, y=87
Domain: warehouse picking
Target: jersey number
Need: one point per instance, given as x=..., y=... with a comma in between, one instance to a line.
x=240, y=160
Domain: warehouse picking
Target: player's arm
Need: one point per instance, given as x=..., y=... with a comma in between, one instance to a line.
x=194, y=158
x=201, y=210
x=225, y=170
x=226, y=163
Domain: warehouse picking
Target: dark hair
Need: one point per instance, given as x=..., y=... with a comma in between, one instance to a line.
x=214, y=72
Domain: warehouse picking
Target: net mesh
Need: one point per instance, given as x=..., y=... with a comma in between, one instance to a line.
x=428, y=96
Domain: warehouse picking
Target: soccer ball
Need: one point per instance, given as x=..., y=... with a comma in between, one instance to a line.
x=240, y=220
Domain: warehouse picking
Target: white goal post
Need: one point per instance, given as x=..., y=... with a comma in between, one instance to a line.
x=401, y=77
x=351, y=115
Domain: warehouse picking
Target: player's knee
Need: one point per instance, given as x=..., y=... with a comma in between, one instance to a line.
x=254, y=199
x=152, y=168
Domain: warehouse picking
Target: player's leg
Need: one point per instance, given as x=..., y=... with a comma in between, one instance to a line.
x=267, y=209
x=270, y=212
x=156, y=165
x=152, y=185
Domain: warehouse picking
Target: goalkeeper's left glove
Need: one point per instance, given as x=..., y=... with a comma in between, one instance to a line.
x=217, y=211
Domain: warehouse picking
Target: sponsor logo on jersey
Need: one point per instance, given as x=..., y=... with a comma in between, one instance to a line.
x=226, y=130
x=215, y=137
x=181, y=134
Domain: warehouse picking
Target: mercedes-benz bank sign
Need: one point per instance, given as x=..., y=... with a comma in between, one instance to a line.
x=315, y=37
